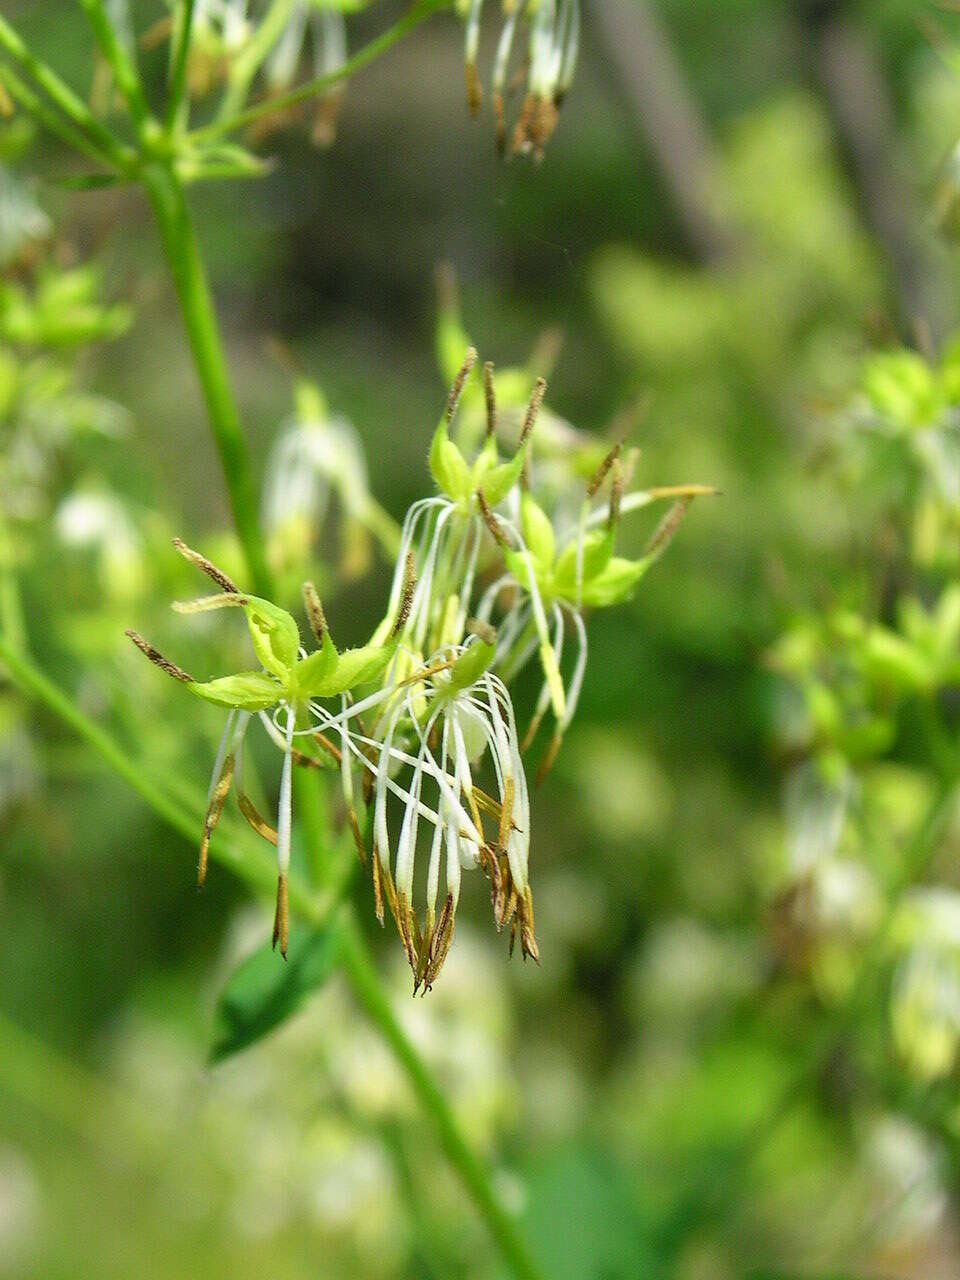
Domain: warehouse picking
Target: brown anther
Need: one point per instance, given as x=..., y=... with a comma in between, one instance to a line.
x=331, y=748
x=405, y=926
x=474, y=89
x=406, y=597
x=521, y=141
x=212, y=816
x=662, y=535
x=482, y=630
x=490, y=398
x=255, y=819
x=440, y=943
x=548, y=757
x=307, y=762
x=453, y=399
x=326, y=113
x=157, y=658
x=598, y=477
x=506, y=811
x=281, y=917
x=357, y=838
x=533, y=408
x=501, y=123
x=377, y=886
x=528, y=943
x=491, y=868
x=616, y=495
x=490, y=520
x=314, y=611
x=206, y=566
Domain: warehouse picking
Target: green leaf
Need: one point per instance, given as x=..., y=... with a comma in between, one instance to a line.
x=263, y=991
x=248, y=690
x=538, y=532
x=274, y=633
x=310, y=673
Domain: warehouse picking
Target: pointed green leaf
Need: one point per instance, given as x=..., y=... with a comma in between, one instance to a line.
x=263, y=991
x=248, y=690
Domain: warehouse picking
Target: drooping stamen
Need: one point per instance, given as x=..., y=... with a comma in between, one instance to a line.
x=358, y=838
x=256, y=820
x=281, y=916
x=206, y=566
x=314, y=610
x=281, y=924
x=456, y=390
x=377, y=886
x=528, y=943
x=157, y=658
x=212, y=817
x=471, y=41
x=616, y=496
x=490, y=398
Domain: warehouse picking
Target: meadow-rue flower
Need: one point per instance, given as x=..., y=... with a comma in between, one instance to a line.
x=322, y=29
x=550, y=63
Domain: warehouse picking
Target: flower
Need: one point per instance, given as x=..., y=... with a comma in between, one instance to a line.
x=553, y=48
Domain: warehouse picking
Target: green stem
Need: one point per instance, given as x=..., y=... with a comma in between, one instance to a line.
x=365, y=983
x=259, y=870
x=417, y=14
x=48, y=119
x=68, y=103
x=177, y=82
x=196, y=305
x=119, y=60
x=250, y=59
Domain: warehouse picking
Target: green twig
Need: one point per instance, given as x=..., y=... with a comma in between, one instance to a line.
x=119, y=60
x=251, y=57
x=417, y=14
x=365, y=983
x=196, y=305
x=48, y=119
x=112, y=151
x=180, y=50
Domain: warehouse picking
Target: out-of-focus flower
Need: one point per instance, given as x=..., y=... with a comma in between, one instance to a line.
x=551, y=59
x=925, y=1001
x=23, y=224
x=323, y=29
x=99, y=521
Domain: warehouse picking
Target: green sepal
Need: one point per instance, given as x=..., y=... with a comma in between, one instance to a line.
x=616, y=583
x=500, y=480
x=356, y=667
x=247, y=691
x=486, y=460
x=517, y=565
x=597, y=552
x=448, y=465
x=274, y=633
x=471, y=664
x=310, y=673
x=538, y=532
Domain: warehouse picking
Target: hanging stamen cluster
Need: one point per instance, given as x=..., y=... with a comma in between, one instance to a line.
x=422, y=713
x=545, y=73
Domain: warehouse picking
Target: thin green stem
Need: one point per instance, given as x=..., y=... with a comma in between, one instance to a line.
x=111, y=150
x=251, y=57
x=417, y=14
x=258, y=869
x=177, y=81
x=365, y=983
x=48, y=119
x=196, y=305
x=121, y=63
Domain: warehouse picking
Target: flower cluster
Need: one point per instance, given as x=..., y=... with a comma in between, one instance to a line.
x=547, y=70
x=421, y=715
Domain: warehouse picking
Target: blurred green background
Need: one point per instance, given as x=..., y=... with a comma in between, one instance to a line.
x=738, y=204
